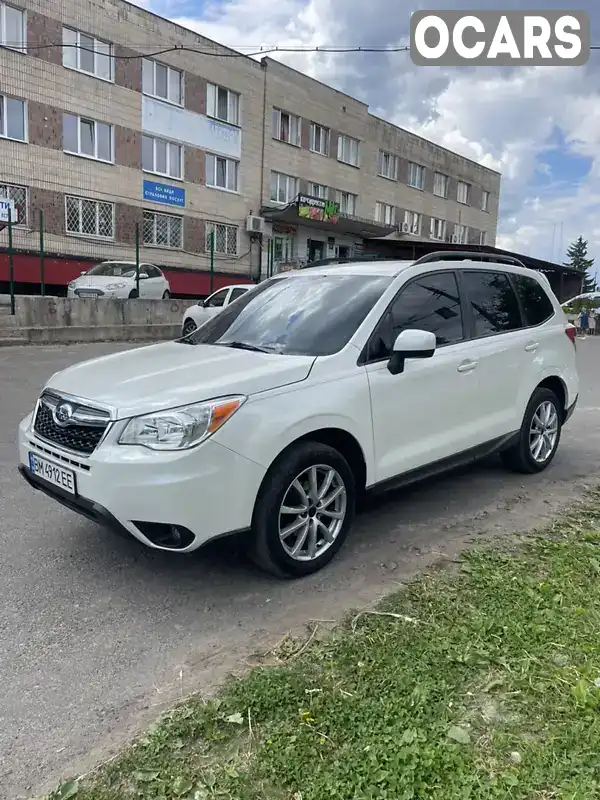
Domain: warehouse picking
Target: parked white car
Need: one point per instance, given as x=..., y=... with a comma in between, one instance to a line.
x=117, y=279
x=203, y=310
x=277, y=414
x=585, y=296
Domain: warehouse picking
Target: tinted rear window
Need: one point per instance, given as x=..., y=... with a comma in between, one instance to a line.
x=537, y=306
x=493, y=302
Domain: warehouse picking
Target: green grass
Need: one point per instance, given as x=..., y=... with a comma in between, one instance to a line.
x=480, y=684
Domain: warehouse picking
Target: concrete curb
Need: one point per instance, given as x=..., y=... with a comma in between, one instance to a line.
x=74, y=334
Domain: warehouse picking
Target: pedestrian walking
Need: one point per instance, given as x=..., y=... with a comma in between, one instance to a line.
x=592, y=322
x=583, y=321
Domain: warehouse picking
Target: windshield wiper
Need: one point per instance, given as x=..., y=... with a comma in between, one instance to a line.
x=245, y=346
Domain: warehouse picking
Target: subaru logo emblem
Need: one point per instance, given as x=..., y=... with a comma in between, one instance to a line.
x=62, y=414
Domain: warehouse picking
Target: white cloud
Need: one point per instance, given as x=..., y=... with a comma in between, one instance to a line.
x=502, y=118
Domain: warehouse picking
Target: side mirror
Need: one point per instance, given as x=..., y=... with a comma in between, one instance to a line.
x=204, y=303
x=411, y=344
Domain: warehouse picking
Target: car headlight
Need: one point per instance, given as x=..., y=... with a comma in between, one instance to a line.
x=180, y=428
x=120, y=285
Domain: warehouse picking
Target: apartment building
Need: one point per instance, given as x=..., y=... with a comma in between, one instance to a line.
x=125, y=129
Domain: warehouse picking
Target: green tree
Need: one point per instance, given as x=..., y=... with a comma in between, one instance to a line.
x=578, y=259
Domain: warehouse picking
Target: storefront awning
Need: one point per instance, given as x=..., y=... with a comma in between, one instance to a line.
x=324, y=215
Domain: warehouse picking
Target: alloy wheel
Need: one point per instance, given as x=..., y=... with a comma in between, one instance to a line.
x=543, y=431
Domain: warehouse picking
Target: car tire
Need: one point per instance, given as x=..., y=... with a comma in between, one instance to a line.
x=133, y=294
x=267, y=547
x=543, y=418
x=166, y=295
x=189, y=326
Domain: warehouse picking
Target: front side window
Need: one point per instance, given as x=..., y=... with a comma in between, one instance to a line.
x=13, y=31
x=87, y=137
x=162, y=157
x=235, y=293
x=161, y=81
x=13, y=118
x=225, y=238
x=217, y=300
x=493, y=302
x=223, y=104
x=87, y=54
x=163, y=230
x=221, y=173
x=536, y=304
x=89, y=217
x=300, y=315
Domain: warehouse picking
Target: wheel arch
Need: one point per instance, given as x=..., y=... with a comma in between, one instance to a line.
x=558, y=386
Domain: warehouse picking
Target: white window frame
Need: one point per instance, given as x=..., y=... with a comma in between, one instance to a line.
x=155, y=170
x=4, y=118
x=390, y=172
x=95, y=157
x=211, y=227
x=345, y=147
x=98, y=204
x=436, y=181
x=212, y=104
x=483, y=238
x=485, y=200
x=437, y=229
x=466, y=193
x=161, y=214
x=415, y=222
x=462, y=234
x=385, y=213
x=278, y=114
x=314, y=190
x=347, y=199
x=325, y=139
x=22, y=48
x=4, y=195
x=231, y=164
x=415, y=170
x=290, y=181
x=97, y=50
x=168, y=99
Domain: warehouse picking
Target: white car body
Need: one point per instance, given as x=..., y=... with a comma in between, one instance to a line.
x=203, y=310
x=585, y=296
x=117, y=280
x=379, y=410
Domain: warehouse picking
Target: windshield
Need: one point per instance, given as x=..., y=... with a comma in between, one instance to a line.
x=113, y=269
x=312, y=315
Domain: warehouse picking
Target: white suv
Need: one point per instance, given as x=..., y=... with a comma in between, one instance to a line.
x=277, y=414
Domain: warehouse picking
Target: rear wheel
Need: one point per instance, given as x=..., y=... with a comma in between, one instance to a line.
x=133, y=294
x=189, y=326
x=539, y=435
x=303, y=512
x=166, y=295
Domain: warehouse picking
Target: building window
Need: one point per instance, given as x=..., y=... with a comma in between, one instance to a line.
x=485, y=201
x=87, y=54
x=161, y=81
x=388, y=166
x=347, y=202
x=348, y=150
x=319, y=139
x=163, y=230
x=222, y=104
x=13, y=118
x=317, y=190
x=162, y=157
x=18, y=194
x=284, y=188
x=86, y=137
x=89, y=217
x=416, y=176
x=483, y=237
x=225, y=238
x=412, y=222
x=221, y=173
x=13, y=31
x=462, y=193
x=461, y=233
x=437, y=229
x=385, y=213
x=286, y=127
x=440, y=184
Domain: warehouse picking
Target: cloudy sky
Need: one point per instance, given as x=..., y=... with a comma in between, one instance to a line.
x=539, y=127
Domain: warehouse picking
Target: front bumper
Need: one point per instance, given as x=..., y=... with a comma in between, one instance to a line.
x=204, y=493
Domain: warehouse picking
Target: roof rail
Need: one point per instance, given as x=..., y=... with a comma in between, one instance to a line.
x=465, y=255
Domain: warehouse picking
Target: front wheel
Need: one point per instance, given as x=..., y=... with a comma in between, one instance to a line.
x=303, y=512
x=539, y=435
x=133, y=294
x=189, y=326
x=166, y=295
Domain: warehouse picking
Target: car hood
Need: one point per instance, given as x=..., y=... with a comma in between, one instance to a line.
x=172, y=374
x=98, y=281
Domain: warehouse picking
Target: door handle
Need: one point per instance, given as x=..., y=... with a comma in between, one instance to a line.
x=531, y=347
x=467, y=366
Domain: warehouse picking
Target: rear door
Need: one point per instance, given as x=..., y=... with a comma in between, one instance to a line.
x=155, y=281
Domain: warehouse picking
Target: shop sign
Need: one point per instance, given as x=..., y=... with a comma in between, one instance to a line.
x=317, y=209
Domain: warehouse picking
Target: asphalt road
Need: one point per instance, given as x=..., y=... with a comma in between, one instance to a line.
x=98, y=635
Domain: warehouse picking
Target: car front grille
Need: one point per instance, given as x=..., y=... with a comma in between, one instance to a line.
x=69, y=424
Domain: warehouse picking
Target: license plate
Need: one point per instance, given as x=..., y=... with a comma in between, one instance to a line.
x=88, y=294
x=52, y=473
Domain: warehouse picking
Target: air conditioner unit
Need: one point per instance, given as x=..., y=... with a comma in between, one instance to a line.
x=454, y=238
x=405, y=227
x=255, y=224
